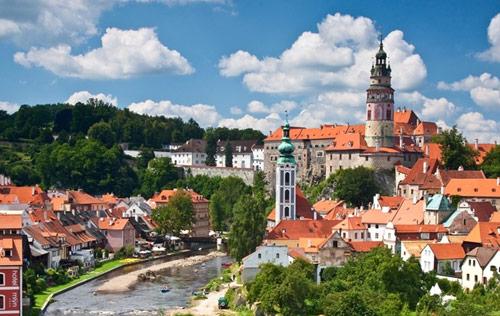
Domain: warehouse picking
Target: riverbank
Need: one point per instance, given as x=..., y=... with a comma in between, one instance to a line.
x=125, y=282
x=205, y=307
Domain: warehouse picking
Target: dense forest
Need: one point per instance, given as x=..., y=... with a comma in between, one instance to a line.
x=80, y=146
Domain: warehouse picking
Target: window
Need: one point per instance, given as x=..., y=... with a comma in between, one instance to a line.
x=259, y=256
x=424, y=236
x=464, y=221
x=376, y=225
x=2, y=302
x=369, y=116
x=287, y=178
x=476, y=278
x=473, y=263
x=468, y=277
x=376, y=235
x=366, y=158
x=8, y=253
x=2, y=279
x=349, y=156
x=362, y=235
x=340, y=157
x=493, y=268
x=277, y=256
x=388, y=114
x=355, y=235
x=287, y=211
x=287, y=195
x=335, y=244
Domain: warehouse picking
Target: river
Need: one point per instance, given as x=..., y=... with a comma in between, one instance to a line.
x=144, y=299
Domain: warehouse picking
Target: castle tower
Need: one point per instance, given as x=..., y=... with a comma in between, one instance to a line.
x=286, y=169
x=380, y=103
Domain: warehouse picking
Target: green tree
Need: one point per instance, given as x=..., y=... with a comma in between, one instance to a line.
x=346, y=304
x=248, y=227
x=491, y=163
x=228, y=155
x=145, y=156
x=455, y=152
x=161, y=173
x=217, y=212
x=102, y=132
x=211, y=150
x=355, y=186
x=177, y=215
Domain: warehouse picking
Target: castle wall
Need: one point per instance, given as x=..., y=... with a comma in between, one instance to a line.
x=247, y=175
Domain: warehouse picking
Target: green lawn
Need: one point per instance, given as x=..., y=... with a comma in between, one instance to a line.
x=40, y=298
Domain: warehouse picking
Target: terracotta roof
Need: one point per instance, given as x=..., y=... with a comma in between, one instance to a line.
x=326, y=206
x=447, y=175
x=457, y=239
x=426, y=128
x=297, y=253
x=417, y=176
x=340, y=212
x=58, y=203
x=109, y=198
x=80, y=197
x=447, y=251
x=394, y=202
x=377, y=217
x=38, y=215
x=485, y=233
x=350, y=223
x=16, y=245
x=302, y=206
x=323, y=132
x=112, y=223
x=9, y=199
x=311, y=244
x=405, y=229
x=415, y=247
x=56, y=227
x=482, y=210
x=25, y=194
x=295, y=229
x=409, y=213
x=433, y=151
x=365, y=246
x=483, y=255
x=165, y=195
x=483, y=150
x=402, y=169
x=495, y=217
x=405, y=116
x=349, y=141
x=79, y=231
x=473, y=188
x=8, y=221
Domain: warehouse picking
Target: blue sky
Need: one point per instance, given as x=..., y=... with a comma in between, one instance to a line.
x=243, y=63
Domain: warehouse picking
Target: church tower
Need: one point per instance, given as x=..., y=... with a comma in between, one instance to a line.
x=286, y=168
x=380, y=103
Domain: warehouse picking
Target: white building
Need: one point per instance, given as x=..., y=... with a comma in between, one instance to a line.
x=275, y=254
x=192, y=153
x=435, y=257
x=258, y=157
x=241, y=152
x=479, y=266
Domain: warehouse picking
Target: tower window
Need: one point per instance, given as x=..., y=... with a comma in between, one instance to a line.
x=287, y=178
x=287, y=211
x=388, y=114
x=369, y=115
x=287, y=195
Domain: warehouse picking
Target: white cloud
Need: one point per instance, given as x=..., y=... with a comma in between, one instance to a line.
x=8, y=27
x=442, y=124
x=235, y=110
x=484, y=90
x=265, y=125
x=124, y=54
x=8, y=107
x=84, y=96
x=282, y=106
x=474, y=125
x=493, y=53
x=337, y=57
x=205, y=115
x=431, y=108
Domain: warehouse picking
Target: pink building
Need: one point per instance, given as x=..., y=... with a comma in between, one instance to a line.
x=118, y=231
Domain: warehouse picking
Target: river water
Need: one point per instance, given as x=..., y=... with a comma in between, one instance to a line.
x=144, y=299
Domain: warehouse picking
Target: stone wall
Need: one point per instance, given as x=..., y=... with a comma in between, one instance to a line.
x=247, y=175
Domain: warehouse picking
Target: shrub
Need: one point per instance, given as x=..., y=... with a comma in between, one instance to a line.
x=124, y=252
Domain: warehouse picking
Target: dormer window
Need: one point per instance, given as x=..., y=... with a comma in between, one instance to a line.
x=476, y=189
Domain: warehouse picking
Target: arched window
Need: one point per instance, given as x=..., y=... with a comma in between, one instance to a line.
x=388, y=114
x=369, y=115
x=287, y=211
x=287, y=195
x=287, y=178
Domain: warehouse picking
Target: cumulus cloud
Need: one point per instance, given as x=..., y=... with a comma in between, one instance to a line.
x=8, y=107
x=484, y=90
x=493, y=53
x=431, y=108
x=123, y=54
x=265, y=125
x=84, y=96
x=235, y=110
x=474, y=125
x=282, y=106
x=205, y=115
x=336, y=57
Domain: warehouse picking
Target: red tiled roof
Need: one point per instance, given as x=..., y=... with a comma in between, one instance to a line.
x=473, y=188
x=433, y=151
x=394, y=202
x=25, y=194
x=165, y=195
x=402, y=229
x=112, y=223
x=326, y=206
x=349, y=141
x=297, y=253
x=417, y=175
x=405, y=117
x=365, y=246
x=38, y=215
x=324, y=132
x=483, y=150
x=483, y=210
x=447, y=251
x=402, y=169
x=340, y=212
x=79, y=231
x=426, y=128
x=8, y=221
x=295, y=229
x=447, y=175
x=377, y=217
x=8, y=199
x=350, y=223
x=16, y=245
x=485, y=233
x=409, y=213
x=80, y=197
x=495, y=217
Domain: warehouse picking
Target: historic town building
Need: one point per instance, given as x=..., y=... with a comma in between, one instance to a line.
x=389, y=136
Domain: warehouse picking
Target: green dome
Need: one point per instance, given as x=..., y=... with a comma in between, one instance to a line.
x=286, y=147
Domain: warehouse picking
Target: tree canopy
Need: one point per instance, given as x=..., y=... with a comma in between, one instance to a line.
x=176, y=216
x=355, y=186
x=455, y=152
x=491, y=163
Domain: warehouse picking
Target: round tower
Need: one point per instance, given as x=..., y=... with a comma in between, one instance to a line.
x=286, y=169
x=380, y=103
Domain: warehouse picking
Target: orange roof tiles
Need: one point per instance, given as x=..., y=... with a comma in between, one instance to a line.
x=483, y=150
x=447, y=251
x=109, y=198
x=165, y=195
x=112, y=223
x=402, y=169
x=350, y=141
x=311, y=244
x=17, y=252
x=401, y=229
x=485, y=233
x=326, y=206
x=58, y=203
x=409, y=213
x=324, y=132
x=415, y=247
x=447, y=175
x=8, y=199
x=365, y=246
x=340, y=212
x=495, y=217
x=426, y=128
x=295, y=229
x=473, y=188
x=350, y=223
x=25, y=194
x=394, y=202
x=417, y=176
x=80, y=197
x=405, y=117
x=433, y=151
x=38, y=215
x=8, y=221
x=377, y=217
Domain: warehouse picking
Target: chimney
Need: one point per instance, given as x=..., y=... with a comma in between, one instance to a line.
x=476, y=144
x=58, y=215
x=442, y=189
x=414, y=199
x=461, y=168
x=427, y=150
x=425, y=166
x=498, y=180
x=400, y=137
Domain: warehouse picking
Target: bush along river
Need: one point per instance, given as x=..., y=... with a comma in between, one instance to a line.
x=145, y=298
